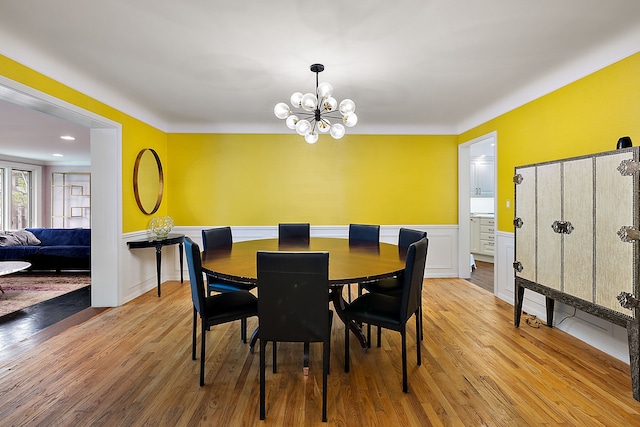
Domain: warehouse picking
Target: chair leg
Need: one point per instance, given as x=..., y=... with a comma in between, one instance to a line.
x=243, y=330
x=305, y=359
x=379, y=336
x=418, y=335
x=275, y=363
x=369, y=335
x=405, y=386
x=326, y=346
x=263, y=345
x=202, y=353
x=193, y=341
x=346, y=345
x=421, y=321
x=349, y=292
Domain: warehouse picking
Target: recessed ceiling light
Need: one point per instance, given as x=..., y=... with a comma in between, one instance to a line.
x=57, y=155
x=67, y=138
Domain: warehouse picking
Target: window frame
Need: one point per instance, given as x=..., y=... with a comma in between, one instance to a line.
x=36, y=192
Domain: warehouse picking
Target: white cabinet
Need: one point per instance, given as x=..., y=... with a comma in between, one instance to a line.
x=482, y=178
x=482, y=236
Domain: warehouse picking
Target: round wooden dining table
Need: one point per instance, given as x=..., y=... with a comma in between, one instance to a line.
x=348, y=263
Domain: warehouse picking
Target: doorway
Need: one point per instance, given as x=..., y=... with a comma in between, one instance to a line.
x=476, y=204
x=106, y=163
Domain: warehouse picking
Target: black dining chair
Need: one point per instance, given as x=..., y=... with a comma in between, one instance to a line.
x=216, y=309
x=393, y=312
x=362, y=234
x=294, y=233
x=220, y=238
x=293, y=306
x=393, y=285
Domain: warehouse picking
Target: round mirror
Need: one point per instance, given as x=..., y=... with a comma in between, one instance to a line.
x=148, y=181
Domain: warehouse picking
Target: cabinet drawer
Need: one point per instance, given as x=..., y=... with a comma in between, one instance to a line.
x=487, y=237
x=487, y=228
x=487, y=221
x=488, y=248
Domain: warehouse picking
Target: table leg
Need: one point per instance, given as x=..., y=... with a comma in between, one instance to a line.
x=339, y=304
x=158, y=264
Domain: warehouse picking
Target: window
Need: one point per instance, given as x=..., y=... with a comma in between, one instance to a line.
x=19, y=195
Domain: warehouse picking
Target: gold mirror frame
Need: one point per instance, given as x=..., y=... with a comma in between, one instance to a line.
x=136, y=171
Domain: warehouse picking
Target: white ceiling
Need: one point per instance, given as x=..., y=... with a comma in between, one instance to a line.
x=411, y=66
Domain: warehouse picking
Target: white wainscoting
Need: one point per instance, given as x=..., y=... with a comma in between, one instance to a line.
x=139, y=265
x=601, y=334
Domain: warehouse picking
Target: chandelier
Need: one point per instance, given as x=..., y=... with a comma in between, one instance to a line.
x=315, y=110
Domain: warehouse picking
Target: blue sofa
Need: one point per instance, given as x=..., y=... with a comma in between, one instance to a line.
x=59, y=249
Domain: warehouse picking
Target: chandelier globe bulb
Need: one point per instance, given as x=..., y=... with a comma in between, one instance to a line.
x=337, y=131
x=350, y=120
x=325, y=90
x=291, y=121
x=347, y=106
x=309, y=102
x=281, y=110
x=311, y=137
x=296, y=99
x=303, y=127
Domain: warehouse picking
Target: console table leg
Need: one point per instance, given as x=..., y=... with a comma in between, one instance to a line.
x=181, y=250
x=633, y=333
x=158, y=265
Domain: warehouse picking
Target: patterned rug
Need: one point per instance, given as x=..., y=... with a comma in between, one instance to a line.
x=25, y=289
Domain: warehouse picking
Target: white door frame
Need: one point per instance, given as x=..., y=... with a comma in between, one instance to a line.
x=106, y=185
x=464, y=205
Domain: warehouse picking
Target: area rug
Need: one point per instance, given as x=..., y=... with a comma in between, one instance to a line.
x=25, y=289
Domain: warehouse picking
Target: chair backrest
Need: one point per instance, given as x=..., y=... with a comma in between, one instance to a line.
x=408, y=236
x=192, y=251
x=413, y=277
x=293, y=296
x=298, y=232
x=217, y=238
x=364, y=233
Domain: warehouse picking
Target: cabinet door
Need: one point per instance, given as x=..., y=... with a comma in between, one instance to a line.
x=577, y=205
x=549, y=201
x=615, y=199
x=525, y=210
x=485, y=179
x=482, y=179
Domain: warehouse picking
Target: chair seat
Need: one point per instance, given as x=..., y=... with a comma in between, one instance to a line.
x=230, y=306
x=376, y=308
x=391, y=286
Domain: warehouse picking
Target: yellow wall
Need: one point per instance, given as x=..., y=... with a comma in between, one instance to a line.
x=135, y=134
x=267, y=179
x=587, y=116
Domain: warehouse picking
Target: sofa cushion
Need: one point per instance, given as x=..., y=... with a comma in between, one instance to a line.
x=63, y=236
x=18, y=238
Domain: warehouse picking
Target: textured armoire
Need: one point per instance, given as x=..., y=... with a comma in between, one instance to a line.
x=576, y=239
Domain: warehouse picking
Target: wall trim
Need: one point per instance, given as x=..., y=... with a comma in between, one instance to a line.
x=140, y=264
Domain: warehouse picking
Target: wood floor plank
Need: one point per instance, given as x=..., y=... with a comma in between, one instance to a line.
x=132, y=365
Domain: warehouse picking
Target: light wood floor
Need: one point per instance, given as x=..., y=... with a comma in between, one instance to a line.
x=132, y=366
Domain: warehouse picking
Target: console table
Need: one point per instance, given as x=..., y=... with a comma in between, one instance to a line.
x=171, y=239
